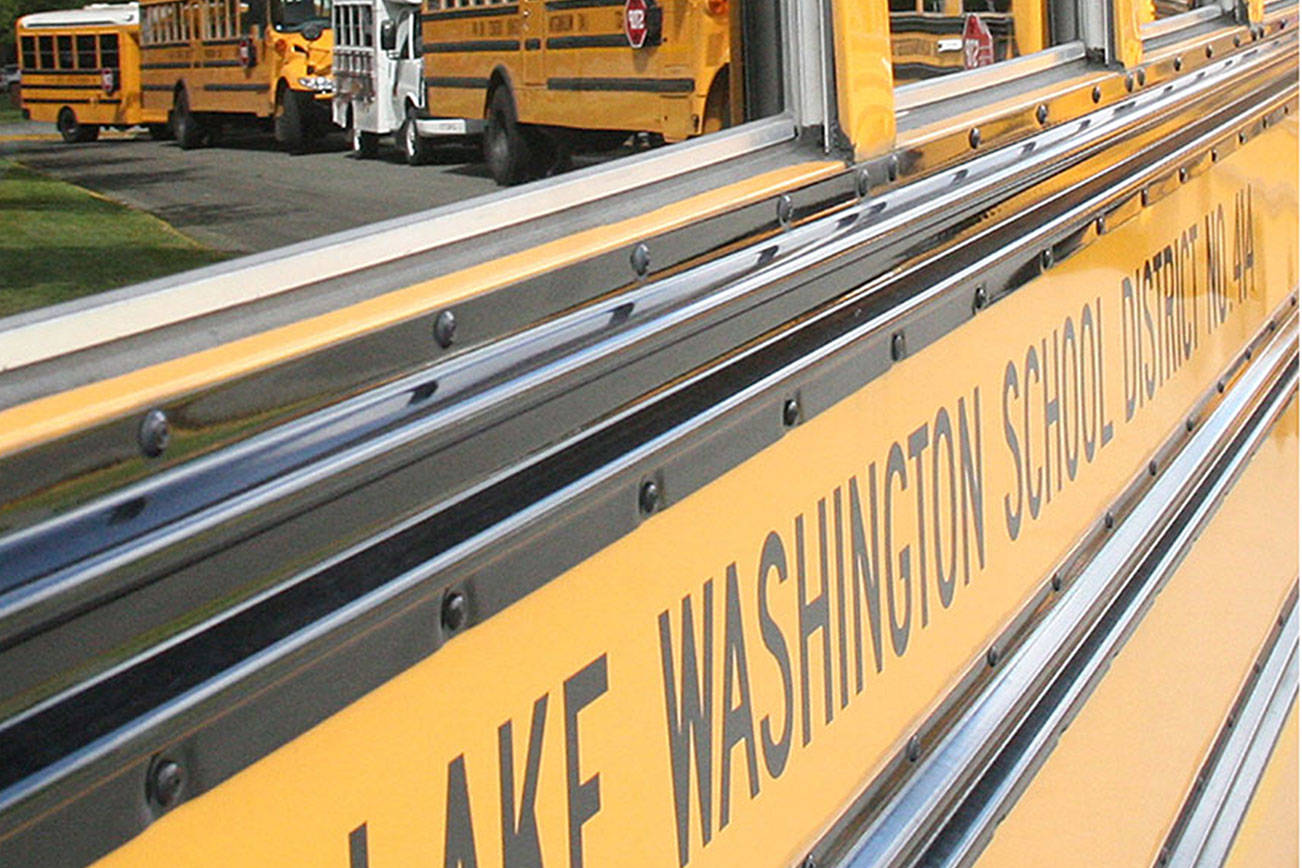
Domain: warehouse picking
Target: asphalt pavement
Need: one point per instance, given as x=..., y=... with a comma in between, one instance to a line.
x=244, y=195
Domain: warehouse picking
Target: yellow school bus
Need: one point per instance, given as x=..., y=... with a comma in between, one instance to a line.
x=212, y=62
x=593, y=71
x=906, y=476
x=81, y=70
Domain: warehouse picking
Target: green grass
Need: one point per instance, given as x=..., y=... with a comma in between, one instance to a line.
x=8, y=114
x=59, y=242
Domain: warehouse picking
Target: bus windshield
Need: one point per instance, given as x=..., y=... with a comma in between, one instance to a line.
x=294, y=14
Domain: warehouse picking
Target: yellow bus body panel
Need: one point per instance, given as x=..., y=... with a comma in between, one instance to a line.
x=1268, y=835
x=585, y=654
x=1112, y=788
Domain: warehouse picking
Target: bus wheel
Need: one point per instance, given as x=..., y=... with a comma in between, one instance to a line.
x=291, y=121
x=159, y=132
x=416, y=149
x=186, y=127
x=506, y=150
x=72, y=131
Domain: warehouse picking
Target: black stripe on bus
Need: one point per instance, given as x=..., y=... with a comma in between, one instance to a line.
x=901, y=24
x=456, y=81
x=61, y=86
x=532, y=44
x=74, y=101
x=156, y=45
x=557, y=5
x=922, y=70
x=484, y=12
x=473, y=45
x=171, y=64
x=163, y=87
x=242, y=86
x=651, y=85
x=601, y=40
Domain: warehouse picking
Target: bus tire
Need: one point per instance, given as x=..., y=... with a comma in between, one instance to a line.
x=416, y=149
x=291, y=121
x=506, y=149
x=159, y=132
x=72, y=130
x=186, y=128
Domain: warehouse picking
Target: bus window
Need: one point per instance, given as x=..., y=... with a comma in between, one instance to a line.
x=294, y=15
x=29, y=52
x=108, y=50
x=47, y=52
x=66, y=57
x=86, y=52
x=951, y=36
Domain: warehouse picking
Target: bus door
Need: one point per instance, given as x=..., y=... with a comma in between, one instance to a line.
x=533, y=42
x=408, y=78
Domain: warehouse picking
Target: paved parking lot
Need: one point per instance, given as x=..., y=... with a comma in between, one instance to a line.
x=244, y=195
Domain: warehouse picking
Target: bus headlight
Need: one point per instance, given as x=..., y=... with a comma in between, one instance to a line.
x=319, y=83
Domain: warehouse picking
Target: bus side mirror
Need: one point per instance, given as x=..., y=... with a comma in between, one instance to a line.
x=388, y=36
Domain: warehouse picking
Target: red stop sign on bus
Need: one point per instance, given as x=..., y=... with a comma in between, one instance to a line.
x=635, y=22
x=978, y=43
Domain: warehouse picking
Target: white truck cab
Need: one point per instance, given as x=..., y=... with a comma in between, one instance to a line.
x=379, y=80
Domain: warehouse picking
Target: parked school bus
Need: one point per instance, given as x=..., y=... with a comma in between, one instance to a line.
x=81, y=70
x=214, y=62
x=906, y=475
x=548, y=77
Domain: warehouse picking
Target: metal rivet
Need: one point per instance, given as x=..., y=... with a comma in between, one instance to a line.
x=1210, y=51
x=640, y=259
x=1042, y=114
x=1164, y=856
x=1247, y=354
x=445, y=327
x=648, y=497
x=166, y=780
x=1143, y=77
x=992, y=656
x=914, y=749
x=810, y=862
x=974, y=137
x=1145, y=196
x=1256, y=669
x=1190, y=424
x=1229, y=722
x=1098, y=93
x=1178, y=64
x=154, y=434
x=1130, y=82
x=980, y=298
x=1220, y=385
x=1216, y=155
x=1100, y=225
x=1152, y=468
x=1184, y=175
x=892, y=167
x=784, y=209
x=862, y=183
x=1271, y=325
x=1238, y=40
x=897, y=346
x=790, y=412
x=1109, y=520
x=1056, y=582
x=1046, y=259
x=1243, y=137
x=1292, y=300
x=454, y=611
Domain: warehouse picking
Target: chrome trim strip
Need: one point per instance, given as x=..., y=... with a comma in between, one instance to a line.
x=1166, y=26
x=919, y=93
x=916, y=812
x=1215, y=822
x=63, y=329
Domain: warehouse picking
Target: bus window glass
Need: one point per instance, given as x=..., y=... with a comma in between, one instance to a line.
x=29, y=52
x=66, y=59
x=293, y=15
x=47, y=52
x=952, y=36
x=86, y=51
x=108, y=50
